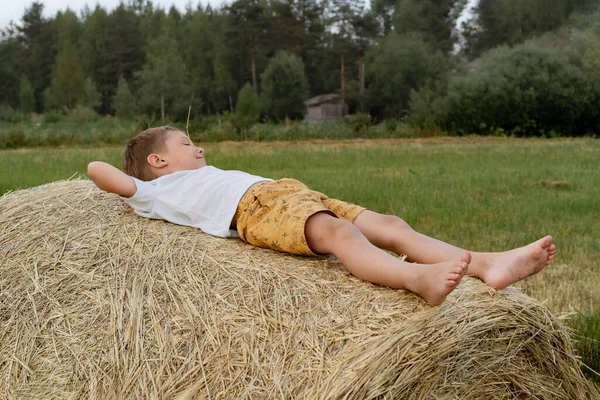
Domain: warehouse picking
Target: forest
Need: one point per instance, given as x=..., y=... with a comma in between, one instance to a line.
x=511, y=67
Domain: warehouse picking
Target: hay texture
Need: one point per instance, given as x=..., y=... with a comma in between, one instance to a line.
x=96, y=302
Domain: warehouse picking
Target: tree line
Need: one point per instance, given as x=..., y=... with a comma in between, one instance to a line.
x=528, y=67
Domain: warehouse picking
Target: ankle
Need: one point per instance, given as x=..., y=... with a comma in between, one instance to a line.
x=480, y=264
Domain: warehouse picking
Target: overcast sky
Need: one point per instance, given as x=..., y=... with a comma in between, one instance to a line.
x=14, y=9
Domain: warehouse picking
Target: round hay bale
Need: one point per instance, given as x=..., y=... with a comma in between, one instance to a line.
x=96, y=302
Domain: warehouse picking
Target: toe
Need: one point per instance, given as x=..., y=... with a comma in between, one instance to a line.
x=546, y=242
x=466, y=257
x=454, y=277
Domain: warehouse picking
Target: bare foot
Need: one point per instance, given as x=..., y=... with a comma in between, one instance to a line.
x=436, y=281
x=512, y=266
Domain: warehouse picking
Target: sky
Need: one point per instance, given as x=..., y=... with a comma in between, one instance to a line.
x=14, y=9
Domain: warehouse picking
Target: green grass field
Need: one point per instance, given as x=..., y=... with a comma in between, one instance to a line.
x=483, y=194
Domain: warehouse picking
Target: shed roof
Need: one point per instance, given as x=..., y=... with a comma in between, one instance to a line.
x=323, y=98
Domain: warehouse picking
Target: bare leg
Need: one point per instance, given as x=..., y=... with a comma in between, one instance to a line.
x=498, y=270
x=433, y=282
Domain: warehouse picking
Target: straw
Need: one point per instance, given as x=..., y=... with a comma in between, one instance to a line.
x=97, y=302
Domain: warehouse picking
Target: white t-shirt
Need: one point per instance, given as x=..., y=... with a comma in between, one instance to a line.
x=205, y=198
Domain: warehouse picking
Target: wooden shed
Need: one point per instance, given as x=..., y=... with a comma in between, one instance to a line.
x=325, y=107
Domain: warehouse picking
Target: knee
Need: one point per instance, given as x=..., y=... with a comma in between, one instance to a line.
x=324, y=231
x=340, y=229
x=395, y=222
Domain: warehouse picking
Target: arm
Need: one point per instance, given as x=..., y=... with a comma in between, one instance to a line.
x=111, y=179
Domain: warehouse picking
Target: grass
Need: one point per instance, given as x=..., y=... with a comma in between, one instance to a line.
x=483, y=194
x=54, y=129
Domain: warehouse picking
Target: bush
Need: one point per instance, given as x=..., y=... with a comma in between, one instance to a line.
x=359, y=123
x=12, y=140
x=535, y=89
x=7, y=114
x=83, y=114
x=124, y=102
x=52, y=117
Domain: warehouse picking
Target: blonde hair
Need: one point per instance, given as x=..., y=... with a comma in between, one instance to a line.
x=140, y=147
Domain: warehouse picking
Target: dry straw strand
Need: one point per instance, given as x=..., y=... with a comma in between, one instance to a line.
x=96, y=302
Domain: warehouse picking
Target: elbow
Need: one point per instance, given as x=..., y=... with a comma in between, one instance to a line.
x=92, y=169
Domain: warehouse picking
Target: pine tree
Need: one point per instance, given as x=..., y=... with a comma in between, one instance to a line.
x=10, y=71
x=249, y=24
x=91, y=98
x=27, y=100
x=67, y=82
x=203, y=32
x=247, y=106
x=124, y=102
x=38, y=41
x=434, y=20
x=68, y=28
x=95, y=54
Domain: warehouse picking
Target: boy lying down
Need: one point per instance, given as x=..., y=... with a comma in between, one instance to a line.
x=167, y=177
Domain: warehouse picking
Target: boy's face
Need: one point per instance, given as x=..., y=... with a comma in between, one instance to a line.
x=181, y=154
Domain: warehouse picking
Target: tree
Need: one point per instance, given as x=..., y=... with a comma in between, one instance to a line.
x=124, y=49
x=38, y=40
x=511, y=22
x=384, y=11
x=95, y=55
x=124, y=102
x=249, y=25
x=246, y=105
x=284, y=87
x=434, y=20
x=247, y=109
x=27, y=100
x=9, y=71
x=68, y=28
x=48, y=97
x=352, y=32
x=399, y=64
x=91, y=97
x=203, y=32
x=163, y=78
x=67, y=81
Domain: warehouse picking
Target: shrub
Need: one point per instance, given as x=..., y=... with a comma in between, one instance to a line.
x=539, y=88
x=124, y=102
x=7, y=114
x=12, y=140
x=359, y=123
x=52, y=117
x=83, y=114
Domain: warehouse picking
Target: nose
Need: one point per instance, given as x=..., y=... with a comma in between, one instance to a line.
x=200, y=150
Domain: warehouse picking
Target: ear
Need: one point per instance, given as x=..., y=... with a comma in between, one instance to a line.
x=156, y=161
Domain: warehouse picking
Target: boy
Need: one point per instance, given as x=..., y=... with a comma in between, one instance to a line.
x=168, y=178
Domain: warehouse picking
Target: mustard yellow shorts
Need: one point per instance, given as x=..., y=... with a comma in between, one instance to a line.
x=273, y=214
